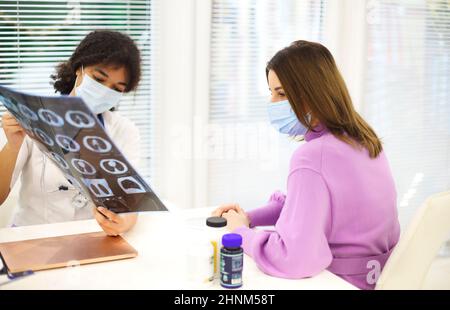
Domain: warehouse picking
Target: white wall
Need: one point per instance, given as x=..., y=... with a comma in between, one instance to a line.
x=184, y=99
x=182, y=166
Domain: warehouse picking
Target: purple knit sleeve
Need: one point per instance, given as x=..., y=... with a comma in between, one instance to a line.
x=268, y=214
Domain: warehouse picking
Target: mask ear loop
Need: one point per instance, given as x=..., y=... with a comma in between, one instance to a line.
x=308, y=119
x=76, y=79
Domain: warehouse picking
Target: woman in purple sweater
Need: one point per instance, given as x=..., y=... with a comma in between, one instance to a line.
x=339, y=212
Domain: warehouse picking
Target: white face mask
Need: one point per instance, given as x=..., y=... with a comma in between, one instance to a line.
x=283, y=118
x=96, y=95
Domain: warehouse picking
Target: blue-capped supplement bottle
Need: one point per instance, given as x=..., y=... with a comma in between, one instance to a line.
x=231, y=261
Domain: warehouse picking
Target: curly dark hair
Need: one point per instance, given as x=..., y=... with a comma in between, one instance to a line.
x=100, y=47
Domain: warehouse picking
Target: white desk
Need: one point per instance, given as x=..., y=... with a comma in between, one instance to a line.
x=161, y=240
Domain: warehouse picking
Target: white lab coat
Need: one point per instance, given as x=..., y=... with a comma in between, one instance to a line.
x=41, y=201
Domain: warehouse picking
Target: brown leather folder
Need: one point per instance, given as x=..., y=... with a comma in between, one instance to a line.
x=63, y=251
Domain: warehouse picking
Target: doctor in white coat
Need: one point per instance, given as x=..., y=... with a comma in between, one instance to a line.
x=105, y=65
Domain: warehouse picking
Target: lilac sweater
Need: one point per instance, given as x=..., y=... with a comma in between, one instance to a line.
x=339, y=214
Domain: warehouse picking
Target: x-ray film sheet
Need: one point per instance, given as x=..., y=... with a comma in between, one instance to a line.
x=67, y=131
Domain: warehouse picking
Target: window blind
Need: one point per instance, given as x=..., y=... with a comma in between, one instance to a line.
x=36, y=35
x=249, y=159
x=407, y=94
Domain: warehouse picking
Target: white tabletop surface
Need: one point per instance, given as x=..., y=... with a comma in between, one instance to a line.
x=162, y=240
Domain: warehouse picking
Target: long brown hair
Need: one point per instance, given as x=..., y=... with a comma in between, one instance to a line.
x=312, y=82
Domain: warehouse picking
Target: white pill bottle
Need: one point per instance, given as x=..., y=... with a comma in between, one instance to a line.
x=216, y=228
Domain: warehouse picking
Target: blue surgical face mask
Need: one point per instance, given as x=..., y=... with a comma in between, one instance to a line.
x=96, y=95
x=283, y=118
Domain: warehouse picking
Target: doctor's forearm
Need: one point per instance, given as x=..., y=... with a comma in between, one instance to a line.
x=8, y=158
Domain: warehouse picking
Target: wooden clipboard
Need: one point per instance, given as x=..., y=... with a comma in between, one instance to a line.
x=63, y=251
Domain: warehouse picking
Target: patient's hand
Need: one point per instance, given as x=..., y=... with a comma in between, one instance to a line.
x=235, y=215
x=114, y=224
x=236, y=219
x=227, y=207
